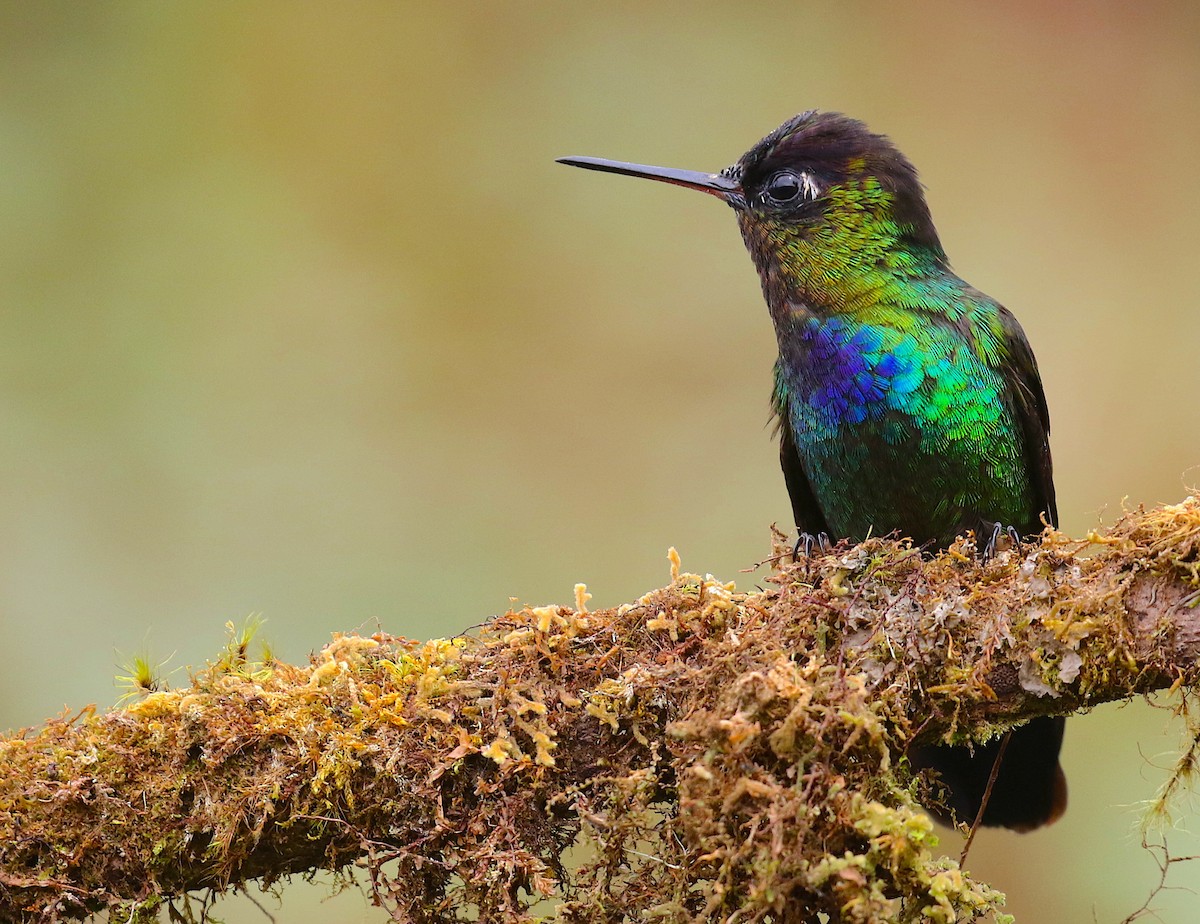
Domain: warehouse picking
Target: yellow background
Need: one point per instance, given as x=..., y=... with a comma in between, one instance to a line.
x=300, y=318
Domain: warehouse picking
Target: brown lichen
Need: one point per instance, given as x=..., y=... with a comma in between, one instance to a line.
x=723, y=755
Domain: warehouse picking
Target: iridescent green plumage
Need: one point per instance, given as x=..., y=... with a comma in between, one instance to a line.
x=908, y=401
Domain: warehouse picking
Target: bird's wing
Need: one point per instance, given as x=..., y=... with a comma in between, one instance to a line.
x=1029, y=402
x=809, y=518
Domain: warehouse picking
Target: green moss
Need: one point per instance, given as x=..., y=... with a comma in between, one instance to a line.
x=722, y=754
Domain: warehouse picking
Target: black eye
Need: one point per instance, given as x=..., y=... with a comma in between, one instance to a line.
x=787, y=187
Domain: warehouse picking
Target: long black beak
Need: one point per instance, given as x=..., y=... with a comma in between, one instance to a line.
x=712, y=183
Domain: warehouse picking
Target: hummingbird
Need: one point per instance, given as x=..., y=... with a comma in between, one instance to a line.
x=907, y=400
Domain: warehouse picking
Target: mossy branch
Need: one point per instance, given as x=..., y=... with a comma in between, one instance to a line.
x=723, y=755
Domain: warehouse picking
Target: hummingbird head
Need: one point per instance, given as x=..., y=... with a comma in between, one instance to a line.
x=827, y=208
x=824, y=169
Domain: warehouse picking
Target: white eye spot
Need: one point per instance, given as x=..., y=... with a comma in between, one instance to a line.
x=788, y=187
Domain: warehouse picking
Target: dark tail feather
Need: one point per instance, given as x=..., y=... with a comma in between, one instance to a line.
x=1030, y=789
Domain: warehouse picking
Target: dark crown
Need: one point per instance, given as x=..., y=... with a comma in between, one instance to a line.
x=834, y=148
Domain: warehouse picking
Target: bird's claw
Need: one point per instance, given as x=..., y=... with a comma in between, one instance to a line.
x=807, y=542
x=1000, y=539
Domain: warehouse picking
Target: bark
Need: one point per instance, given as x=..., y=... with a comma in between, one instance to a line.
x=722, y=755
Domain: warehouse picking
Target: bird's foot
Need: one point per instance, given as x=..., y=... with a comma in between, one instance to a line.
x=1000, y=538
x=806, y=542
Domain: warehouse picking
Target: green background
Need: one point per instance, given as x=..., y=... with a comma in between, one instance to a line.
x=300, y=318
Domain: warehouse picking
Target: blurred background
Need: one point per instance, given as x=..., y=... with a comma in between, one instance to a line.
x=301, y=319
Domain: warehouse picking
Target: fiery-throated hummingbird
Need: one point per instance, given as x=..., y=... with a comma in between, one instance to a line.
x=908, y=401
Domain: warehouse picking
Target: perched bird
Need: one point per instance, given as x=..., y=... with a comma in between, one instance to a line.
x=908, y=401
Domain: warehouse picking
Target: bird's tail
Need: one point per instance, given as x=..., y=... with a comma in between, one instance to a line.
x=1030, y=789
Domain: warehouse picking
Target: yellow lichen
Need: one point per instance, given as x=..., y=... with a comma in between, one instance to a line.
x=728, y=756
x=676, y=563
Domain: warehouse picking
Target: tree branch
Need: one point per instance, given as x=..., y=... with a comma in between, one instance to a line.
x=723, y=754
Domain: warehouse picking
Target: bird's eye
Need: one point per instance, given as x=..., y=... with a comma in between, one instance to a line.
x=787, y=187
